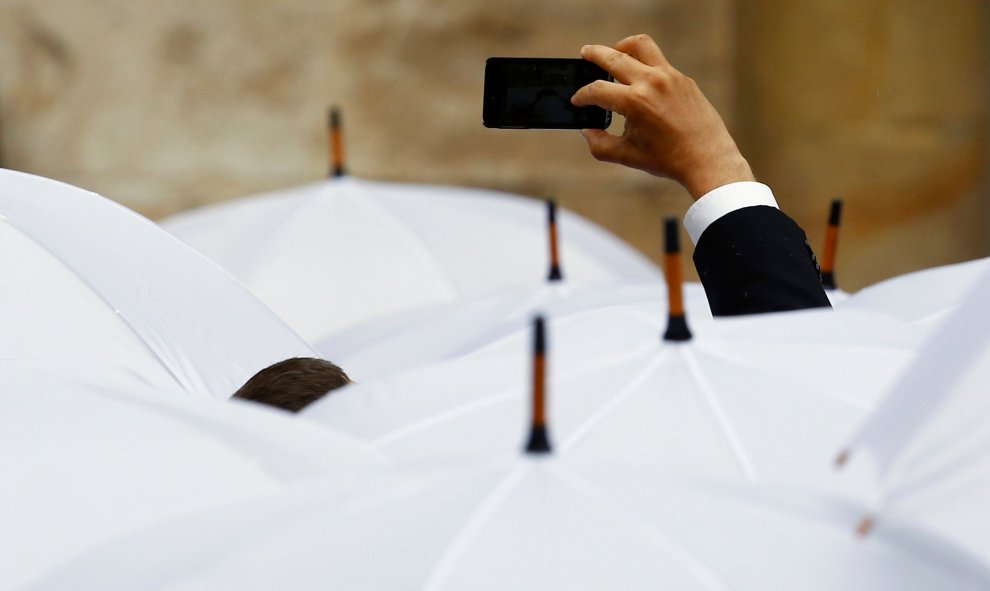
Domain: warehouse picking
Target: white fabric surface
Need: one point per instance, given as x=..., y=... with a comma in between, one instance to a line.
x=338, y=253
x=86, y=276
x=82, y=463
x=763, y=398
x=929, y=440
x=924, y=298
x=522, y=523
x=387, y=346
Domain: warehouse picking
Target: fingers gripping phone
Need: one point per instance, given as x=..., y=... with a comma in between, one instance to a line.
x=535, y=93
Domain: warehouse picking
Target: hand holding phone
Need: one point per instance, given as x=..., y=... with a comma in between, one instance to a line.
x=535, y=93
x=671, y=130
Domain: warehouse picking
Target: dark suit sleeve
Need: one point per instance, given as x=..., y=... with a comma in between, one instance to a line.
x=756, y=259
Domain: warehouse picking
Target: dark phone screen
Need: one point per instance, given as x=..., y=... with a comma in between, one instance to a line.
x=536, y=93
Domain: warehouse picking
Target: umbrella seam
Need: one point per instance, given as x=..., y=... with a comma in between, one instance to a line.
x=850, y=400
x=407, y=235
x=498, y=397
x=291, y=221
x=653, y=532
x=103, y=298
x=467, y=534
x=615, y=402
x=721, y=419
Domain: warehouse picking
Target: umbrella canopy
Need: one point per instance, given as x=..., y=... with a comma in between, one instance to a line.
x=84, y=462
x=924, y=297
x=338, y=253
x=525, y=523
x=928, y=441
x=383, y=347
x=837, y=296
x=83, y=274
x=752, y=399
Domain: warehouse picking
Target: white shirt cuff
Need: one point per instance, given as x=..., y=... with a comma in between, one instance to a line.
x=725, y=199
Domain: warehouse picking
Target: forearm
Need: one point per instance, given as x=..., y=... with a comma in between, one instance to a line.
x=756, y=259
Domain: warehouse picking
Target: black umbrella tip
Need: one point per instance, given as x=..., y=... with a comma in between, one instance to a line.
x=828, y=280
x=835, y=213
x=539, y=335
x=677, y=329
x=539, y=441
x=551, y=211
x=672, y=237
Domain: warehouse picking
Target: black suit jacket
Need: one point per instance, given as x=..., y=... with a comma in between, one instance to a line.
x=756, y=259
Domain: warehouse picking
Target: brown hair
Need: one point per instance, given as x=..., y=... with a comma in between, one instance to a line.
x=293, y=383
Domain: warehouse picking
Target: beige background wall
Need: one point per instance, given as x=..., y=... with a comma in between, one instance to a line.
x=164, y=106
x=882, y=103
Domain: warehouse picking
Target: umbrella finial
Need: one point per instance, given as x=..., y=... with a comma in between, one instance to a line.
x=336, y=134
x=539, y=442
x=677, y=328
x=865, y=526
x=842, y=458
x=555, y=273
x=831, y=242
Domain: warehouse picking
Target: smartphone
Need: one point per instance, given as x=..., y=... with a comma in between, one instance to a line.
x=535, y=93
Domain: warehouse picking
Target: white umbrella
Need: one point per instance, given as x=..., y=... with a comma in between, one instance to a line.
x=338, y=253
x=924, y=297
x=385, y=346
x=84, y=462
x=83, y=274
x=574, y=518
x=526, y=523
x=382, y=347
x=929, y=442
x=765, y=398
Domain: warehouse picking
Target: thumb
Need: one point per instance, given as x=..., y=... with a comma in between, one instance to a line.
x=603, y=145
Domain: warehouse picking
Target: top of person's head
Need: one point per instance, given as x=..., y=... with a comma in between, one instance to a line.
x=294, y=383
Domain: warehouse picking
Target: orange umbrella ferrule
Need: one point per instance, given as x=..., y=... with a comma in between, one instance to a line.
x=539, y=441
x=831, y=244
x=555, y=272
x=336, y=143
x=675, y=283
x=865, y=526
x=677, y=328
x=842, y=459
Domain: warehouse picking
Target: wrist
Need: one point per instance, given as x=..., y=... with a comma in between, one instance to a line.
x=719, y=172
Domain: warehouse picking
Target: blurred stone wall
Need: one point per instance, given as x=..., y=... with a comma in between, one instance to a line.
x=885, y=104
x=168, y=105
x=165, y=106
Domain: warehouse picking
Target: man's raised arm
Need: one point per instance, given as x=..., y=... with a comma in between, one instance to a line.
x=750, y=256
